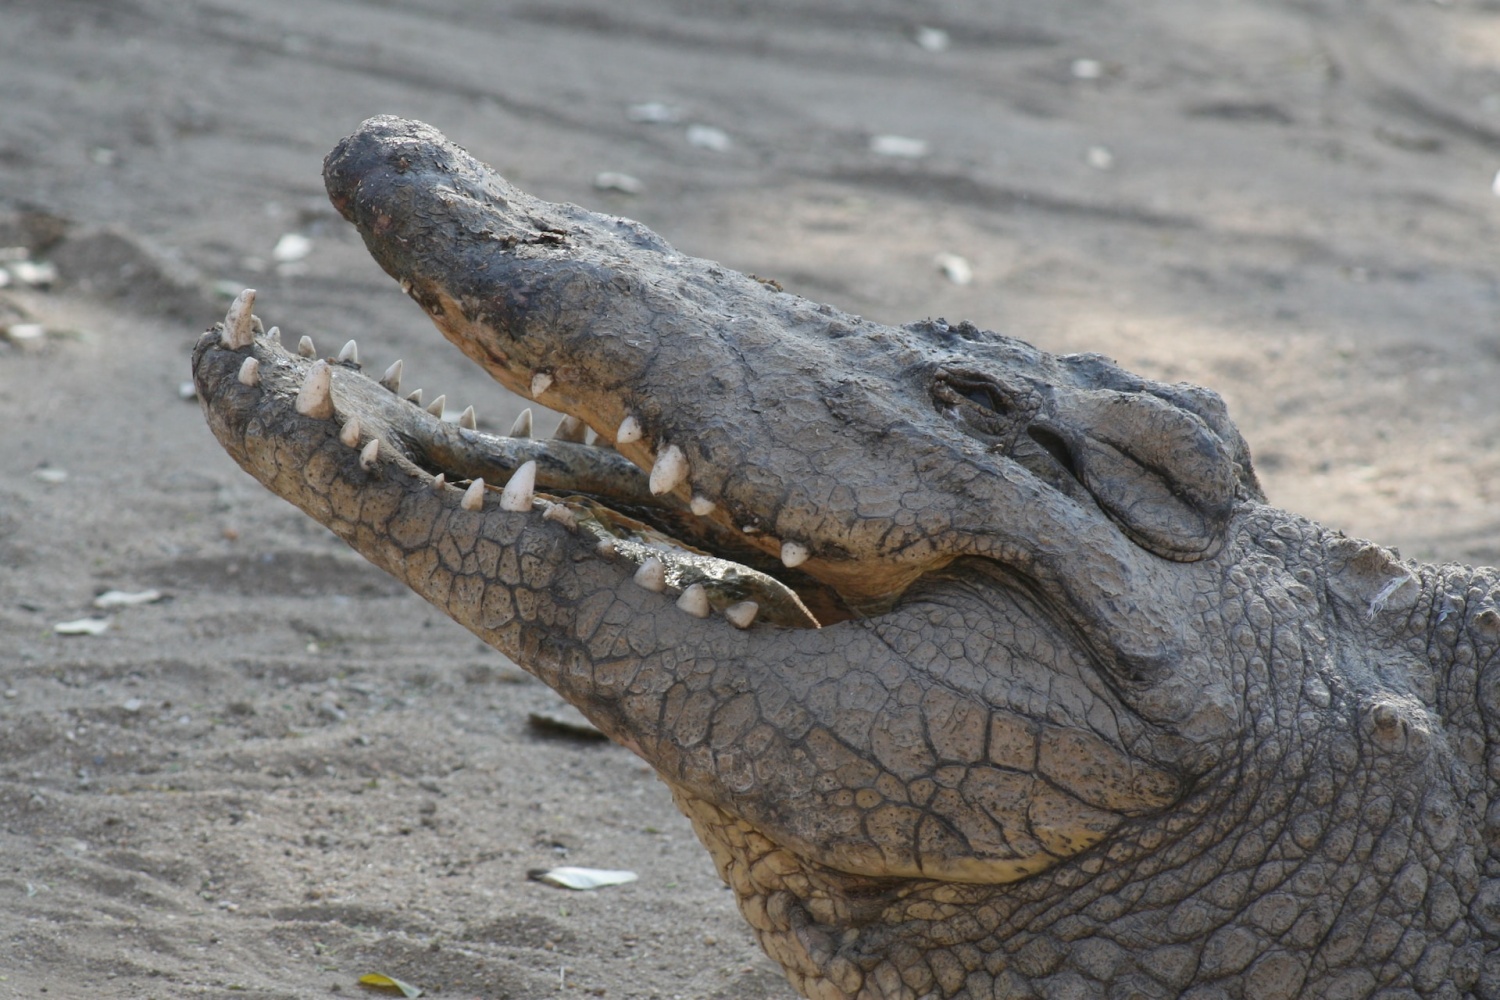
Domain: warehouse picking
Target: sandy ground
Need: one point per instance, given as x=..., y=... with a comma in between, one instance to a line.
x=290, y=772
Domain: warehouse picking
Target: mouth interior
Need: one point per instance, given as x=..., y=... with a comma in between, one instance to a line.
x=591, y=488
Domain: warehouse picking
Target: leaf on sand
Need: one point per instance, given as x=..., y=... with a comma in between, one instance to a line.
x=383, y=982
x=82, y=626
x=126, y=599
x=565, y=720
x=581, y=878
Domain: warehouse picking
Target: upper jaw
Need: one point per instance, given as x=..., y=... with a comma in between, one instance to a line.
x=809, y=435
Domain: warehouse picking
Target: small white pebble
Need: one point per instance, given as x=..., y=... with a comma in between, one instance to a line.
x=610, y=180
x=932, y=39
x=955, y=268
x=1087, y=69
x=25, y=332
x=899, y=146
x=653, y=113
x=290, y=248
x=708, y=137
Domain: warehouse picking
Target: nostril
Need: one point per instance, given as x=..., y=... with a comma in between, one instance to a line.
x=1056, y=447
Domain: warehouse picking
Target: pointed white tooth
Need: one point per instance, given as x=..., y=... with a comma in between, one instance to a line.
x=540, y=383
x=522, y=427
x=392, y=378
x=473, y=496
x=439, y=482
x=256, y=326
x=274, y=334
x=414, y=397
x=670, y=470
x=652, y=575
x=305, y=347
x=517, y=492
x=694, y=601
x=349, y=433
x=436, y=406
x=250, y=372
x=607, y=548
x=350, y=353
x=742, y=614
x=793, y=554
x=702, y=506
x=468, y=419
x=630, y=431
x=369, y=454
x=315, y=398
x=570, y=428
x=238, y=330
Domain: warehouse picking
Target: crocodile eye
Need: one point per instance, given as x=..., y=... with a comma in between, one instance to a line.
x=977, y=400
x=1056, y=447
x=985, y=396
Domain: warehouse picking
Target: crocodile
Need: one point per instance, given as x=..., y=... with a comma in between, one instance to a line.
x=979, y=671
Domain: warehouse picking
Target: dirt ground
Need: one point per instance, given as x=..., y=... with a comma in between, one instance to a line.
x=289, y=772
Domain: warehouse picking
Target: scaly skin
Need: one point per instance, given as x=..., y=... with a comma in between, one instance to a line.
x=1085, y=716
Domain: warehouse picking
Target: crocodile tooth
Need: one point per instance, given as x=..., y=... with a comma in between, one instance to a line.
x=315, y=398
x=468, y=419
x=793, y=554
x=392, y=378
x=256, y=326
x=414, y=397
x=630, y=431
x=274, y=334
x=369, y=454
x=607, y=548
x=652, y=575
x=742, y=614
x=473, y=496
x=694, y=601
x=436, y=406
x=250, y=372
x=350, y=353
x=702, y=506
x=305, y=347
x=439, y=482
x=670, y=470
x=540, y=383
x=522, y=427
x=238, y=329
x=517, y=493
x=570, y=428
x=349, y=433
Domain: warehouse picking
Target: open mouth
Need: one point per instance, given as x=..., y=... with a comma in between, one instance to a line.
x=629, y=513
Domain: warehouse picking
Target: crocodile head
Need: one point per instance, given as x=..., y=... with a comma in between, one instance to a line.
x=923, y=626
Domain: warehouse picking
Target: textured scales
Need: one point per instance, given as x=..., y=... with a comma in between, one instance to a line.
x=1084, y=716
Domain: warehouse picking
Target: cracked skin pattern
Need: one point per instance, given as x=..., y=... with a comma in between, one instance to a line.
x=1085, y=718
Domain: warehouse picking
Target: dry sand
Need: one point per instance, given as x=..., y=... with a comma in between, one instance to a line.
x=289, y=771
